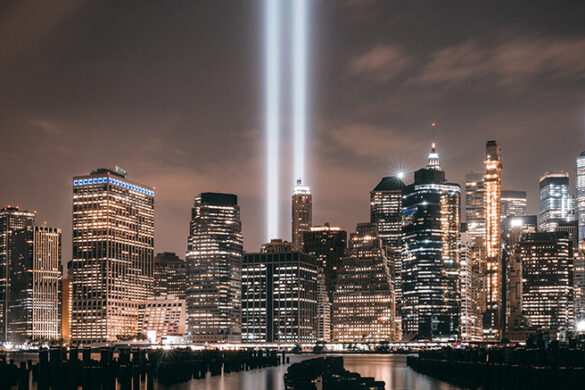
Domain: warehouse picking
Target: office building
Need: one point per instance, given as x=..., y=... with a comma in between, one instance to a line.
x=556, y=204
x=113, y=251
x=163, y=317
x=328, y=245
x=581, y=195
x=214, y=269
x=579, y=290
x=364, y=302
x=386, y=213
x=513, y=204
x=302, y=214
x=170, y=275
x=547, y=272
x=493, y=317
x=11, y=219
x=513, y=228
x=470, y=282
x=430, y=262
x=34, y=280
x=474, y=205
x=280, y=292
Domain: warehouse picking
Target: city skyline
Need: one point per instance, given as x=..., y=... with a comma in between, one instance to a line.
x=58, y=126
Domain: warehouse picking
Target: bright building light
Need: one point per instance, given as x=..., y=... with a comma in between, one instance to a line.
x=400, y=175
x=272, y=106
x=581, y=326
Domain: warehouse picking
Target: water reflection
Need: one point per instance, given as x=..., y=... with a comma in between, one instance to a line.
x=391, y=369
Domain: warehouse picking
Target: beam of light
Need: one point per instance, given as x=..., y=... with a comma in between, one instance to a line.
x=299, y=85
x=272, y=105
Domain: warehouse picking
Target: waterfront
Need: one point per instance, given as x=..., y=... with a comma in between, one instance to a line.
x=391, y=369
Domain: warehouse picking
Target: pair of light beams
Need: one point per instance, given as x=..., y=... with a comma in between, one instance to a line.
x=272, y=53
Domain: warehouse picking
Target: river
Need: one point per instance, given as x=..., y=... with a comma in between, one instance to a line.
x=391, y=369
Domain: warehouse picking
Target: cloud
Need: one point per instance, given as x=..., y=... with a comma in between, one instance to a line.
x=510, y=63
x=381, y=63
x=365, y=140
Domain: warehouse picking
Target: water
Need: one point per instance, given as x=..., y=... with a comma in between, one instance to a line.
x=391, y=369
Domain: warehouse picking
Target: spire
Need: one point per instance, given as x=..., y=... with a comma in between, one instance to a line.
x=434, y=158
x=300, y=188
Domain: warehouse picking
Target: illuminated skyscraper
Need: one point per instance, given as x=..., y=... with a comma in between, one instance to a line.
x=513, y=228
x=430, y=262
x=556, y=204
x=492, y=319
x=513, y=204
x=66, y=303
x=35, y=273
x=11, y=219
x=364, y=303
x=581, y=195
x=302, y=214
x=214, y=269
x=470, y=279
x=327, y=244
x=280, y=295
x=170, y=275
x=474, y=205
x=547, y=272
x=113, y=250
x=386, y=213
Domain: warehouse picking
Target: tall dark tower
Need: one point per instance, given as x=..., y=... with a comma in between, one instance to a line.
x=11, y=219
x=430, y=261
x=214, y=269
x=302, y=214
x=386, y=213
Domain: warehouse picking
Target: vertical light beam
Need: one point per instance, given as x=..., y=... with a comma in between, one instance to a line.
x=299, y=85
x=272, y=105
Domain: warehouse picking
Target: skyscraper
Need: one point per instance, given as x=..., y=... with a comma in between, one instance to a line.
x=474, y=205
x=492, y=320
x=364, y=302
x=556, y=204
x=214, y=269
x=279, y=296
x=11, y=219
x=35, y=273
x=470, y=281
x=513, y=228
x=113, y=250
x=513, y=204
x=327, y=244
x=430, y=263
x=302, y=214
x=386, y=213
x=581, y=195
x=170, y=275
x=547, y=272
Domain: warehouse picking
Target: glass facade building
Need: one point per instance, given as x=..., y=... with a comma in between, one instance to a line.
x=581, y=195
x=11, y=219
x=280, y=293
x=364, y=303
x=547, y=273
x=430, y=263
x=113, y=250
x=214, y=269
x=513, y=204
x=35, y=278
x=170, y=275
x=328, y=245
x=556, y=204
x=386, y=213
x=474, y=205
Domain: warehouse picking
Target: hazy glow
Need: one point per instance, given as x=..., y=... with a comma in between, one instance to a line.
x=299, y=85
x=272, y=103
x=400, y=175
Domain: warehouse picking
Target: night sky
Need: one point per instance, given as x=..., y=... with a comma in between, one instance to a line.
x=173, y=93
